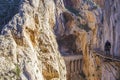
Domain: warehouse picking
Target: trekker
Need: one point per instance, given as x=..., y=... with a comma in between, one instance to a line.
x=107, y=47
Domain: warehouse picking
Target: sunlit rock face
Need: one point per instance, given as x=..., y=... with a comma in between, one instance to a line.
x=28, y=49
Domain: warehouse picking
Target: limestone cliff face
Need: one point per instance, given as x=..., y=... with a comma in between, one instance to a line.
x=28, y=49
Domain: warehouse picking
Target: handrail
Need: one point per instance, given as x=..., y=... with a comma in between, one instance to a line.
x=72, y=57
x=73, y=65
x=101, y=53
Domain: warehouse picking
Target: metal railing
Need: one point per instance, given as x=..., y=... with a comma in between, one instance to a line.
x=101, y=53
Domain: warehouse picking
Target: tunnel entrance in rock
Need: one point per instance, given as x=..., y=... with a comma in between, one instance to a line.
x=8, y=8
x=67, y=45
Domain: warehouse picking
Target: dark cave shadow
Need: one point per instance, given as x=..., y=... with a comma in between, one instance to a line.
x=67, y=44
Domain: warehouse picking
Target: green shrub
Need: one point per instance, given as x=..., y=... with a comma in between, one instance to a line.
x=17, y=71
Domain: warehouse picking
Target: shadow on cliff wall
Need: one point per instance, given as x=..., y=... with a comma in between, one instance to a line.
x=67, y=44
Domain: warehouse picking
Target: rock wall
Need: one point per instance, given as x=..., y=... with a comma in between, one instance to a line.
x=109, y=31
x=75, y=4
x=28, y=48
x=111, y=23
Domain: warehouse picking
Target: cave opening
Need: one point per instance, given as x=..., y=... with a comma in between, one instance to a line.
x=67, y=45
